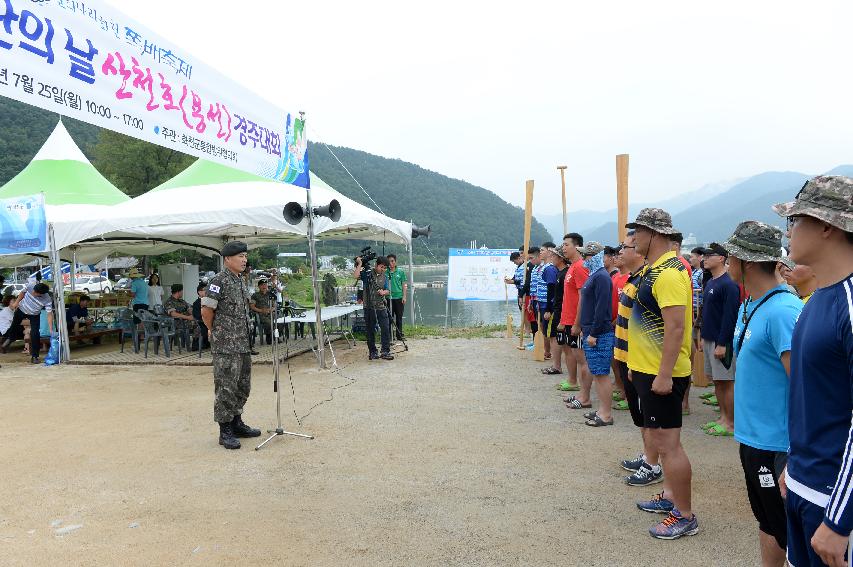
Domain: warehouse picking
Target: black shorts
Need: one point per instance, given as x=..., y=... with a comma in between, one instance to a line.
x=631, y=395
x=663, y=412
x=761, y=470
x=574, y=340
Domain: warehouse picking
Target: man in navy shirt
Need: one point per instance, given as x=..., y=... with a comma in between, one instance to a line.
x=720, y=302
x=762, y=343
x=819, y=476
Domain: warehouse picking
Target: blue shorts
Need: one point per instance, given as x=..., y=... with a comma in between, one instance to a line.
x=804, y=518
x=598, y=357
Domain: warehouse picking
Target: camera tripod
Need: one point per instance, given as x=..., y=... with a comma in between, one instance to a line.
x=279, y=430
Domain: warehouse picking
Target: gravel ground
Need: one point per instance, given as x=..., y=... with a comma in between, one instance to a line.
x=457, y=453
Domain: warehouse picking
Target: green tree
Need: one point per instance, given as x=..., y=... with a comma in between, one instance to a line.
x=135, y=166
x=339, y=262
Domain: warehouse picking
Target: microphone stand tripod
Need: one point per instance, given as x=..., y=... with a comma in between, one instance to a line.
x=279, y=430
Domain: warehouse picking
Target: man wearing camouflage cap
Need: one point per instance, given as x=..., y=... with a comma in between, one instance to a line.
x=225, y=311
x=819, y=476
x=659, y=339
x=762, y=342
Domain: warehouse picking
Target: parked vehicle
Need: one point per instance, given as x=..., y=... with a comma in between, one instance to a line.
x=122, y=284
x=92, y=284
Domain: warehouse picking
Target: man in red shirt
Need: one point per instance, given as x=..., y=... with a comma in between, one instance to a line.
x=570, y=319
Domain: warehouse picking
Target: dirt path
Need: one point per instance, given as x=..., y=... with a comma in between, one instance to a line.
x=458, y=453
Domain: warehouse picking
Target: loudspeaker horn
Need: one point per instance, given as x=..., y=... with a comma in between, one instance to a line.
x=421, y=231
x=293, y=213
x=332, y=210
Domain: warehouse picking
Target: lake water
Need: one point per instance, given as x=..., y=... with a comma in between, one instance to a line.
x=430, y=304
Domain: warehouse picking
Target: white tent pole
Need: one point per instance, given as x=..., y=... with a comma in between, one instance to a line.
x=411, y=284
x=73, y=271
x=315, y=279
x=59, y=292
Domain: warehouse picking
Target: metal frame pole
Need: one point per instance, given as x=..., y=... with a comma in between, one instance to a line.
x=315, y=279
x=59, y=292
x=411, y=284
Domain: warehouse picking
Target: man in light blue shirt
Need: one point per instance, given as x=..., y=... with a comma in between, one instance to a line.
x=139, y=289
x=762, y=342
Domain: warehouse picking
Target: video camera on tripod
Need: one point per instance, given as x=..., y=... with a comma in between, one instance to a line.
x=367, y=255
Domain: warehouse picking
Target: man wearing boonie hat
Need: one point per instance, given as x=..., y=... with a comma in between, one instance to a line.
x=819, y=476
x=659, y=332
x=225, y=311
x=800, y=278
x=762, y=342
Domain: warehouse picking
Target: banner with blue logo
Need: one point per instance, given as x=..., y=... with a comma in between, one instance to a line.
x=477, y=274
x=23, y=225
x=89, y=61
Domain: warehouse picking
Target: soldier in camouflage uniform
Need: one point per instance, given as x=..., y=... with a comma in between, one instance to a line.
x=261, y=303
x=179, y=309
x=225, y=311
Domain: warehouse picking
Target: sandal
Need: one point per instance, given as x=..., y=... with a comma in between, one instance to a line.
x=719, y=431
x=708, y=425
x=711, y=401
x=590, y=415
x=547, y=357
x=617, y=396
x=598, y=422
x=621, y=405
x=574, y=403
x=564, y=386
x=551, y=370
x=706, y=395
x=685, y=411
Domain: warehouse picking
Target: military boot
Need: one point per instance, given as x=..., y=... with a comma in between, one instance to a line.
x=241, y=429
x=226, y=436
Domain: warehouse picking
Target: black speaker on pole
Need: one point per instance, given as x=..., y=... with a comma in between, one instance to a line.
x=293, y=213
x=332, y=210
x=421, y=231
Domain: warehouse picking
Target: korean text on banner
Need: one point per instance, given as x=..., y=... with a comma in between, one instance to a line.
x=477, y=274
x=87, y=60
x=24, y=225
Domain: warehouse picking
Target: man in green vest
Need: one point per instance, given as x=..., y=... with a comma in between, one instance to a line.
x=399, y=290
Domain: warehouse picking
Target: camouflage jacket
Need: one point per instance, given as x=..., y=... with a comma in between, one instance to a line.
x=261, y=301
x=228, y=296
x=181, y=307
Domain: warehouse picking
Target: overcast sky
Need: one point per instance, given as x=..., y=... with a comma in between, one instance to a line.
x=496, y=93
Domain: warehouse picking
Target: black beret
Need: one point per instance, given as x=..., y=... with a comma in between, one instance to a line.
x=233, y=248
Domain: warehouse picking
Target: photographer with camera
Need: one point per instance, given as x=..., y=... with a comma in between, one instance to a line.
x=375, y=309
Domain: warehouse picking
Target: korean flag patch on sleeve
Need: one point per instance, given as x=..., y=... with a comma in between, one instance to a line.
x=213, y=288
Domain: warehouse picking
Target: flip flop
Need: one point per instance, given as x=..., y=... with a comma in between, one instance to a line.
x=719, y=431
x=706, y=395
x=617, y=397
x=685, y=412
x=590, y=415
x=708, y=425
x=576, y=404
x=712, y=401
x=551, y=370
x=621, y=405
x=564, y=386
x=598, y=422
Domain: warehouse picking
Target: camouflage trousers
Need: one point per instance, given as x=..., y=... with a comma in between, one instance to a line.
x=232, y=382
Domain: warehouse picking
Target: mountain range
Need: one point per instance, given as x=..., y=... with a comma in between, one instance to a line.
x=717, y=209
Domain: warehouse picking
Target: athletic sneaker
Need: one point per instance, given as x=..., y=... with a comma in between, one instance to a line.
x=632, y=465
x=644, y=476
x=674, y=526
x=657, y=505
